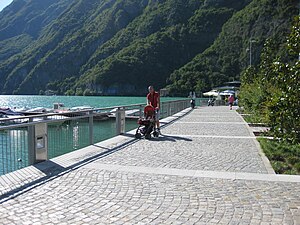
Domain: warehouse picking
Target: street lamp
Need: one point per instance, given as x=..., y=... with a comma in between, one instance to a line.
x=299, y=17
x=250, y=50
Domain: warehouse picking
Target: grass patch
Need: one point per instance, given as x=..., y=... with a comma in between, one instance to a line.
x=253, y=119
x=284, y=157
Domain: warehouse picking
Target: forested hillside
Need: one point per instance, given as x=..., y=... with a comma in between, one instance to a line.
x=22, y=22
x=121, y=46
x=229, y=55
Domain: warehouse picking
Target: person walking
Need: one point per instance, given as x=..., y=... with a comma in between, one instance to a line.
x=153, y=99
x=230, y=101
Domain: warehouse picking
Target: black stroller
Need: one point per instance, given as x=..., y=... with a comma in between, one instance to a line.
x=147, y=124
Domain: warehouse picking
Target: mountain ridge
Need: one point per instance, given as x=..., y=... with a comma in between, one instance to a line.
x=119, y=47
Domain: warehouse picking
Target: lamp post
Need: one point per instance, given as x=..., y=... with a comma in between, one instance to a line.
x=299, y=18
x=250, y=51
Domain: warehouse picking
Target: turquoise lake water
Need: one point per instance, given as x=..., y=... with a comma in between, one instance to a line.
x=31, y=101
x=63, y=137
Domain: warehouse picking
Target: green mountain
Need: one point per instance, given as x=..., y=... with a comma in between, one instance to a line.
x=22, y=22
x=122, y=46
x=229, y=55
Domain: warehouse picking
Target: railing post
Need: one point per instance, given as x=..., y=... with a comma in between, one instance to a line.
x=120, y=121
x=91, y=127
x=173, y=108
x=141, y=111
x=163, y=110
x=37, y=142
x=41, y=142
x=31, y=143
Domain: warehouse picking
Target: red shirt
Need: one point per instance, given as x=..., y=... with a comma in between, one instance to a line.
x=153, y=99
x=231, y=99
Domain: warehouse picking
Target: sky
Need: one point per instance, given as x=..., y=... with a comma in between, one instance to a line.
x=4, y=3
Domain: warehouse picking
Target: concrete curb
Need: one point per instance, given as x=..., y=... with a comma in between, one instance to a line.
x=196, y=173
x=264, y=158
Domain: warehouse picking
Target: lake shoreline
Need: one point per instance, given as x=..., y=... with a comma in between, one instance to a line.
x=34, y=101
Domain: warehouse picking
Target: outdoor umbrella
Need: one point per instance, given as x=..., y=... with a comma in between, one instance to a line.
x=211, y=93
x=227, y=92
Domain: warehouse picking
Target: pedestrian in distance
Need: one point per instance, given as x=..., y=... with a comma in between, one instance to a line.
x=193, y=100
x=230, y=101
x=211, y=102
x=153, y=99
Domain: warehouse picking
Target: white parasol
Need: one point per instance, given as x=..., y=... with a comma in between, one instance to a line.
x=214, y=93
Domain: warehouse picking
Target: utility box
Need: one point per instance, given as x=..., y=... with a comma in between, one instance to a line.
x=120, y=121
x=41, y=142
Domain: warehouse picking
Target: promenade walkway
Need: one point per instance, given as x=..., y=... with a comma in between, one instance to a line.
x=206, y=168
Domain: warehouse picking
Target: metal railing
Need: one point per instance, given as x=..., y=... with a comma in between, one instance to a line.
x=27, y=140
x=204, y=102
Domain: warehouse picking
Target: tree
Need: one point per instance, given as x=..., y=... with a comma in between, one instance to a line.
x=273, y=90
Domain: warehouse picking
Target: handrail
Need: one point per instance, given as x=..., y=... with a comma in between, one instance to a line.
x=80, y=111
x=38, y=140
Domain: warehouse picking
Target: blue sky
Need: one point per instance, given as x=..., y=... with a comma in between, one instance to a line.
x=4, y=3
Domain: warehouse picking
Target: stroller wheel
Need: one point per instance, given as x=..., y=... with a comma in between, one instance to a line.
x=148, y=136
x=138, y=136
x=155, y=134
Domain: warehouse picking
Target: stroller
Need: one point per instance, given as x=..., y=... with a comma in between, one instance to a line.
x=147, y=124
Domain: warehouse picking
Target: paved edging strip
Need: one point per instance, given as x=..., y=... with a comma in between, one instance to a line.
x=235, y=123
x=210, y=116
x=196, y=173
x=212, y=136
x=264, y=158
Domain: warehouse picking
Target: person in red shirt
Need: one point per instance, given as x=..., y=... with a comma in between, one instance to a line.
x=154, y=100
x=230, y=101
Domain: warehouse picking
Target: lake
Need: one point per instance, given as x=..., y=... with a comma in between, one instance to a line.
x=33, y=101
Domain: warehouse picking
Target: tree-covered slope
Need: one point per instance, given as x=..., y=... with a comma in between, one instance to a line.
x=229, y=54
x=180, y=30
x=66, y=44
x=86, y=41
x=153, y=58
x=154, y=18
x=22, y=22
x=121, y=46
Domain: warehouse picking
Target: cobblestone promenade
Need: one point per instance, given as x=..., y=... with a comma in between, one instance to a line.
x=206, y=168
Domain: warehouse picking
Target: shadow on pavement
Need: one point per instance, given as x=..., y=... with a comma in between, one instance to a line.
x=170, y=138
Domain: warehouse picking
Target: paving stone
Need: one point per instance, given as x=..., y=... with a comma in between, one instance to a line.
x=235, y=192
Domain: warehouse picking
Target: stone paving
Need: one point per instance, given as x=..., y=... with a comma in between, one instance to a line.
x=192, y=153
x=206, y=168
